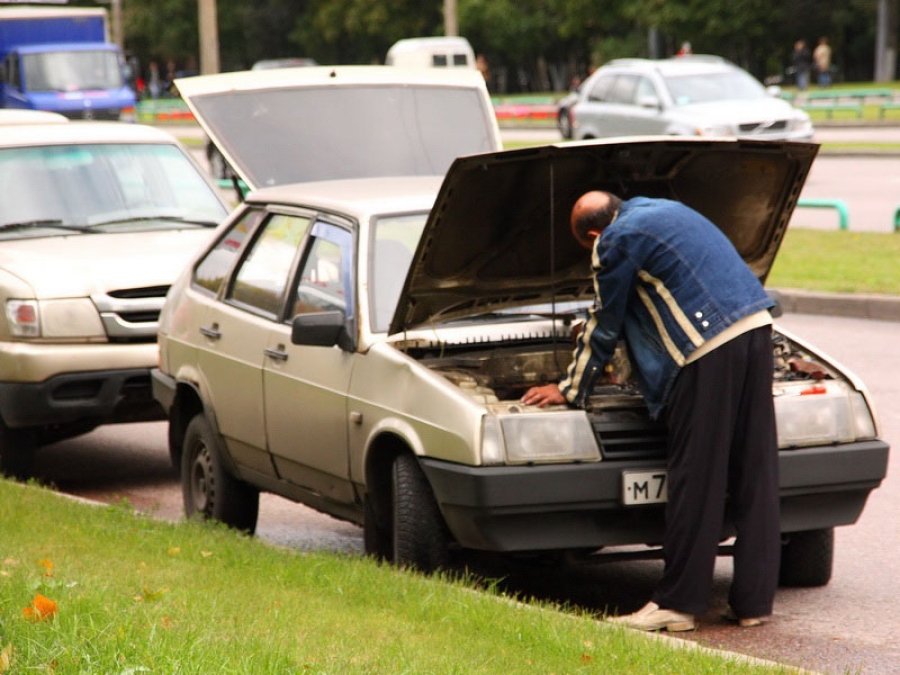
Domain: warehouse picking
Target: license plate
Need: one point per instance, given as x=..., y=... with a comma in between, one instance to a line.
x=643, y=487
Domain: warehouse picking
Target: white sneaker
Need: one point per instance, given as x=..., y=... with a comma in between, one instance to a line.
x=651, y=617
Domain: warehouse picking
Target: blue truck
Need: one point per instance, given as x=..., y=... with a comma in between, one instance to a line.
x=61, y=59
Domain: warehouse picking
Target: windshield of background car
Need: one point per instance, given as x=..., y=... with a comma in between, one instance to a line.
x=706, y=87
x=57, y=190
x=394, y=239
x=324, y=133
x=72, y=70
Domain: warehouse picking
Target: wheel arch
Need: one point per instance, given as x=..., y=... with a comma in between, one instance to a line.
x=188, y=403
x=383, y=450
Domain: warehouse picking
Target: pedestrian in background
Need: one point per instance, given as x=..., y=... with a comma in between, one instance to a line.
x=696, y=323
x=822, y=58
x=802, y=64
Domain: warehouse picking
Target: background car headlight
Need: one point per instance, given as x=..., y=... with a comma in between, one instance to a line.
x=822, y=413
x=66, y=318
x=715, y=130
x=802, y=125
x=538, y=438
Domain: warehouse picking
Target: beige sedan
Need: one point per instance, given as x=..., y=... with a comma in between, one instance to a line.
x=361, y=346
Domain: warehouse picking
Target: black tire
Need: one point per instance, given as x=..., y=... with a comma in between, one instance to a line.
x=807, y=558
x=420, y=536
x=18, y=448
x=209, y=491
x=564, y=123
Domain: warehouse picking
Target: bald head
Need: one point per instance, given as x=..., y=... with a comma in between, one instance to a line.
x=591, y=214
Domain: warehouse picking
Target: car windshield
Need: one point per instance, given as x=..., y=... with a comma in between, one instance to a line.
x=73, y=70
x=394, y=240
x=707, y=87
x=58, y=190
x=325, y=133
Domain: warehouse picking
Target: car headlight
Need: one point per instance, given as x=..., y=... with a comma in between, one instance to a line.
x=67, y=318
x=802, y=125
x=538, y=438
x=818, y=413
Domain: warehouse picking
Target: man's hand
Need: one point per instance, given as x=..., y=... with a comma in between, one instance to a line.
x=547, y=394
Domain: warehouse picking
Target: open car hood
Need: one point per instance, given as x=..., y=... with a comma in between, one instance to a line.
x=292, y=125
x=498, y=236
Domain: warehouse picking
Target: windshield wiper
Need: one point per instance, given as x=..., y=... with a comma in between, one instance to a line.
x=166, y=219
x=47, y=222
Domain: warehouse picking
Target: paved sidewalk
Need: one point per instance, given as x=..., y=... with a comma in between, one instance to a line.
x=852, y=305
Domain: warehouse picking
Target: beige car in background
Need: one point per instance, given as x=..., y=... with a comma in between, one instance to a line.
x=361, y=346
x=96, y=221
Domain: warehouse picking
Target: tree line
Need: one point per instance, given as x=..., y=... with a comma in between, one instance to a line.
x=530, y=45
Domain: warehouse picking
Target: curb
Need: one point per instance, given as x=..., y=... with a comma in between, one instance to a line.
x=856, y=306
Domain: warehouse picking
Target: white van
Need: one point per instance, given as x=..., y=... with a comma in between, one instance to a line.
x=432, y=52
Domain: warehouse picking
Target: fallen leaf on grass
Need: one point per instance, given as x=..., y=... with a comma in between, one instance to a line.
x=41, y=608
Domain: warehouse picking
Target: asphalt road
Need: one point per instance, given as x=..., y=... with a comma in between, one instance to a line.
x=848, y=626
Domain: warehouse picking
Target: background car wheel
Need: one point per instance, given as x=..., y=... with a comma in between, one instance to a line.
x=564, y=122
x=807, y=558
x=421, y=538
x=18, y=448
x=208, y=489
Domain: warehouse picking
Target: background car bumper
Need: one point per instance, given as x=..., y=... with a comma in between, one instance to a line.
x=580, y=506
x=104, y=396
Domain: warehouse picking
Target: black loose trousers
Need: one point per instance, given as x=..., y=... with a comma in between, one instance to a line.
x=723, y=449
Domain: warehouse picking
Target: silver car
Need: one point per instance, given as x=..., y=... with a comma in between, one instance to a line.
x=682, y=96
x=361, y=346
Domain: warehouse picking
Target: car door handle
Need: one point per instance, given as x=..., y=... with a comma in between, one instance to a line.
x=211, y=332
x=278, y=354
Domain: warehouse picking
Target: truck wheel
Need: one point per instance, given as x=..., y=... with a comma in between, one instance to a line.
x=807, y=558
x=209, y=491
x=421, y=538
x=17, y=451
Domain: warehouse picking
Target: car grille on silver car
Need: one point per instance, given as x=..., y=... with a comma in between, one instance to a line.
x=132, y=314
x=763, y=127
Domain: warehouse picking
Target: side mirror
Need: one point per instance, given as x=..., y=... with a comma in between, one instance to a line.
x=321, y=329
x=648, y=101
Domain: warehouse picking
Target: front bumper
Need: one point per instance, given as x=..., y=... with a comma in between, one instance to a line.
x=579, y=506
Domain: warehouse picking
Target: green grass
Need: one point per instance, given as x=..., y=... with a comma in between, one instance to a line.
x=136, y=595
x=838, y=261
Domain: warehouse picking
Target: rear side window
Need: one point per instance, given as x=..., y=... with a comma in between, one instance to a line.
x=600, y=90
x=624, y=89
x=211, y=271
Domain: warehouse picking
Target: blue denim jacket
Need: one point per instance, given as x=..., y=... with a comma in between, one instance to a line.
x=666, y=280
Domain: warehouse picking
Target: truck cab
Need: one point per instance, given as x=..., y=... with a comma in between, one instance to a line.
x=61, y=60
